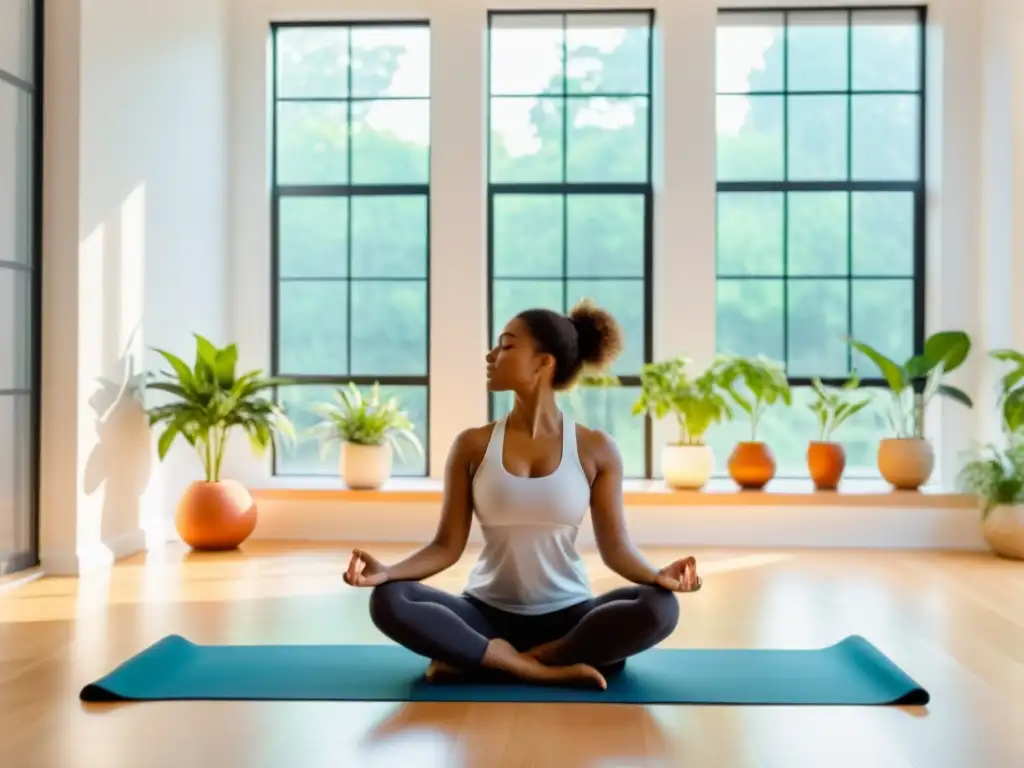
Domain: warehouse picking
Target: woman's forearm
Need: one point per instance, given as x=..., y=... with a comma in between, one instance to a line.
x=426, y=562
x=627, y=561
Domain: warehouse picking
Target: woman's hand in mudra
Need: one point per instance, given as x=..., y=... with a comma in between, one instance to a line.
x=364, y=570
x=680, y=576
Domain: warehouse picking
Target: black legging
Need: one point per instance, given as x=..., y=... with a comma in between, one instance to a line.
x=455, y=629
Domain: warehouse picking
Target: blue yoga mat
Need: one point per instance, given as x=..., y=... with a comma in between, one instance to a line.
x=852, y=672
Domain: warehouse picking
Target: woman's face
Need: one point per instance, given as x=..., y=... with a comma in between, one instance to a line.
x=514, y=364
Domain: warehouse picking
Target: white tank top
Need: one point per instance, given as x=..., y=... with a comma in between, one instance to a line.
x=530, y=564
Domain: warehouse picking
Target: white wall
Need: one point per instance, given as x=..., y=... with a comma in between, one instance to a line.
x=135, y=254
x=684, y=315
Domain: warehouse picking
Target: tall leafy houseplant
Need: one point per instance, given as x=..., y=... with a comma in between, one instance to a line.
x=696, y=402
x=826, y=460
x=907, y=460
x=209, y=402
x=755, y=384
x=995, y=473
x=370, y=429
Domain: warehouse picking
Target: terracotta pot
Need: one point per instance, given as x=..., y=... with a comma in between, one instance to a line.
x=1003, y=530
x=215, y=516
x=906, y=462
x=752, y=465
x=365, y=467
x=826, y=462
x=687, y=467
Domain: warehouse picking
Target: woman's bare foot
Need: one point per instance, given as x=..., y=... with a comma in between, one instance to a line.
x=437, y=670
x=503, y=656
x=546, y=653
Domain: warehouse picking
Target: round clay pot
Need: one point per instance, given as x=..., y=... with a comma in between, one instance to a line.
x=826, y=462
x=906, y=462
x=365, y=467
x=215, y=516
x=1003, y=530
x=752, y=465
x=687, y=467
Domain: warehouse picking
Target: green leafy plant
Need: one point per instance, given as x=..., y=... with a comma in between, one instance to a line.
x=697, y=402
x=995, y=475
x=211, y=401
x=833, y=406
x=754, y=384
x=913, y=384
x=1011, y=390
x=364, y=420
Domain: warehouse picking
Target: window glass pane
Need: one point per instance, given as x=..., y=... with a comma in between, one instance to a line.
x=817, y=233
x=606, y=236
x=16, y=508
x=312, y=143
x=883, y=233
x=389, y=328
x=608, y=53
x=313, y=237
x=391, y=141
x=750, y=138
x=886, y=134
x=527, y=231
x=510, y=297
x=313, y=327
x=817, y=51
x=16, y=241
x=389, y=236
x=816, y=138
x=390, y=61
x=526, y=140
x=515, y=38
x=607, y=140
x=749, y=317
x=749, y=53
x=312, y=62
x=750, y=233
x=816, y=322
x=308, y=456
x=17, y=39
x=15, y=328
x=887, y=50
x=883, y=316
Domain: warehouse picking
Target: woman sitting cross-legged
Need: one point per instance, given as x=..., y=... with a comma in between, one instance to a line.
x=530, y=477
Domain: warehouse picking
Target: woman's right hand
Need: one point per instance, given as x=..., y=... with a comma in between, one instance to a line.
x=364, y=570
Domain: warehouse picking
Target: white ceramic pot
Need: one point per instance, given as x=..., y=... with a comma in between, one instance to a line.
x=365, y=467
x=1003, y=530
x=906, y=462
x=687, y=467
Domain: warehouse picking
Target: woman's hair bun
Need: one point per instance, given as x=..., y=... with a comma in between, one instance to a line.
x=599, y=334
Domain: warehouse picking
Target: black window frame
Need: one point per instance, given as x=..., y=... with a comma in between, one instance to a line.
x=21, y=561
x=564, y=189
x=917, y=187
x=343, y=191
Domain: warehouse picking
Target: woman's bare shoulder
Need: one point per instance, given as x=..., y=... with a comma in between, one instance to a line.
x=471, y=444
x=596, y=447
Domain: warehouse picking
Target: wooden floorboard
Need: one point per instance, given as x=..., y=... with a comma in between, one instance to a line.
x=954, y=621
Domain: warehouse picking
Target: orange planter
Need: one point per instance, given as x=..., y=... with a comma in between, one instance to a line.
x=215, y=516
x=752, y=465
x=826, y=462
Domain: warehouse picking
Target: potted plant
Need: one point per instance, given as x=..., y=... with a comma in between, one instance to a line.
x=826, y=460
x=996, y=475
x=369, y=430
x=210, y=401
x=754, y=384
x=697, y=403
x=906, y=460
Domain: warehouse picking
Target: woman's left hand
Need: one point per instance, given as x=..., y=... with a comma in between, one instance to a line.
x=680, y=576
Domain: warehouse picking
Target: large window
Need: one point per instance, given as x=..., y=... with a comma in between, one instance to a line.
x=351, y=172
x=820, y=205
x=569, y=194
x=20, y=172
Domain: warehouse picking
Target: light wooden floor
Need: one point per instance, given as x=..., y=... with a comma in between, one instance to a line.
x=953, y=621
